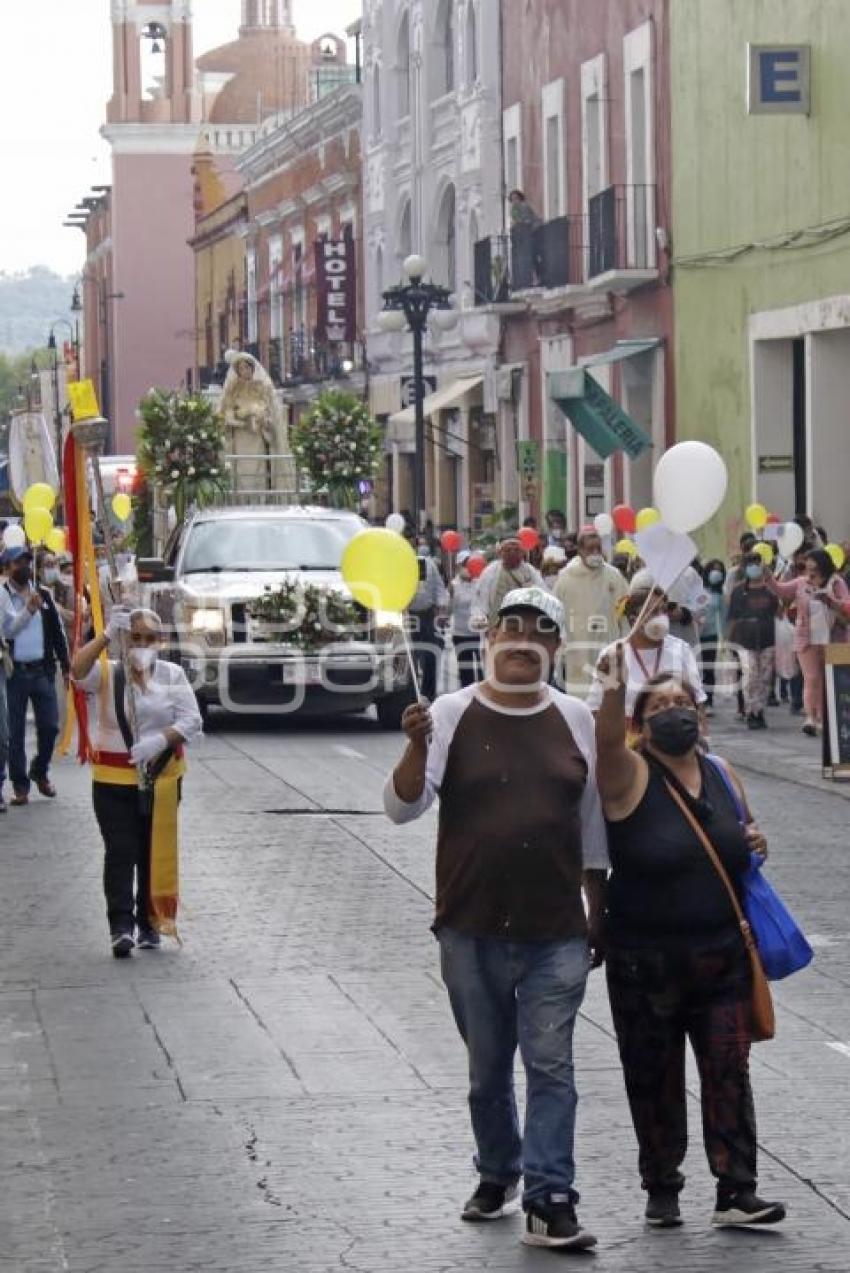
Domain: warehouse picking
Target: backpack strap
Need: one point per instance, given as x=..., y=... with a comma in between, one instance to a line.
x=119, y=686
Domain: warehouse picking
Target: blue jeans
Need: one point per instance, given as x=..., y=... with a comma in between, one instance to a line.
x=506, y=994
x=36, y=686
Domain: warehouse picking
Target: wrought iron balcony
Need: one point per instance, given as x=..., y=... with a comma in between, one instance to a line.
x=546, y=255
x=621, y=236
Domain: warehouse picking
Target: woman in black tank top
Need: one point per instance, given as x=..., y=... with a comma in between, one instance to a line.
x=677, y=966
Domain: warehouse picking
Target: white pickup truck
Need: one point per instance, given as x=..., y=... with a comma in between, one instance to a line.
x=221, y=562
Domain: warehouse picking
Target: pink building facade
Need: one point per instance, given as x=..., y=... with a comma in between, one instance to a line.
x=586, y=135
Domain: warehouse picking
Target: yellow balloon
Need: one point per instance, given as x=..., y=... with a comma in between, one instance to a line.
x=381, y=570
x=37, y=523
x=756, y=516
x=39, y=495
x=765, y=552
x=122, y=506
x=837, y=554
x=647, y=517
x=56, y=540
x=625, y=548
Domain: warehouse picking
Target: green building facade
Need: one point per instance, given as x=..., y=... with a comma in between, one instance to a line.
x=760, y=250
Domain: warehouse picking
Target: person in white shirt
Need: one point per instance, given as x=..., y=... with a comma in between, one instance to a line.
x=136, y=785
x=592, y=593
x=511, y=570
x=466, y=641
x=649, y=648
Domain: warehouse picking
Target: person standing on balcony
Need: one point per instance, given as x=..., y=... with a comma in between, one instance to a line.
x=525, y=241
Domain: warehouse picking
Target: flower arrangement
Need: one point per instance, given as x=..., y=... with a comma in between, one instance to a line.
x=181, y=448
x=338, y=444
x=307, y=617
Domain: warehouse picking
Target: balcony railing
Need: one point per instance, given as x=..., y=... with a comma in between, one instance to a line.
x=621, y=230
x=547, y=255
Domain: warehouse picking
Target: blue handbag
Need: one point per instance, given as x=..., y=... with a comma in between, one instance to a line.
x=781, y=943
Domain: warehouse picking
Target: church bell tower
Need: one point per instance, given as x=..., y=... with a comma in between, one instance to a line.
x=267, y=15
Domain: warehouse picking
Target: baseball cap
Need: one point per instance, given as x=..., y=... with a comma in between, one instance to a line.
x=537, y=599
x=463, y=556
x=15, y=554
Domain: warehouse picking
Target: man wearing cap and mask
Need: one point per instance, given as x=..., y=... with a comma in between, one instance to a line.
x=30, y=624
x=520, y=834
x=139, y=836
x=510, y=571
x=649, y=648
x=592, y=593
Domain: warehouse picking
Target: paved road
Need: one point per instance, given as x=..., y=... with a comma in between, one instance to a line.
x=286, y=1092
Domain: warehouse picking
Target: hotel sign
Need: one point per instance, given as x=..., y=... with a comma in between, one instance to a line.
x=779, y=79
x=336, y=291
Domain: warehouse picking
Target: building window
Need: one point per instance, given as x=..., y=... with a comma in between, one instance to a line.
x=379, y=278
x=445, y=256
x=405, y=232
x=377, y=125
x=640, y=148
x=443, y=74
x=554, y=165
x=275, y=288
x=471, y=44
x=594, y=126
x=403, y=67
x=251, y=296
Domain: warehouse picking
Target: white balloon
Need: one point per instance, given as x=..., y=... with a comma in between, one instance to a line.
x=395, y=522
x=603, y=524
x=690, y=485
x=790, y=539
x=14, y=537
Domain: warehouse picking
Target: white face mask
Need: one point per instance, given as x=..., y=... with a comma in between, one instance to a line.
x=595, y=561
x=143, y=657
x=51, y=575
x=657, y=628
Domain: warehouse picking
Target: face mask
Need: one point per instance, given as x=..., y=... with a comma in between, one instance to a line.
x=143, y=657
x=658, y=628
x=595, y=561
x=674, y=731
x=51, y=575
x=754, y=572
x=715, y=578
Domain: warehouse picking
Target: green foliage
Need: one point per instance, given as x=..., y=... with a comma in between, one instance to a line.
x=29, y=303
x=338, y=444
x=306, y=617
x=181, y=449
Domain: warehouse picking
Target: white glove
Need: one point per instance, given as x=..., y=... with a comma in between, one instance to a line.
x=119, y=621
x=148, y=748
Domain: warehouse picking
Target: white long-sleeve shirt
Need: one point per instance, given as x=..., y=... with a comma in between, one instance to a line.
x=483, y=601
x=166, y=702
x=673, y=655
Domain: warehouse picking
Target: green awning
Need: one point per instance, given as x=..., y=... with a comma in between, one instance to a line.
x=622, y=350
x=594, y=414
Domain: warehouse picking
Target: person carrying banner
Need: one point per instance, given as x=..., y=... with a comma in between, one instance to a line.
x=137, y=784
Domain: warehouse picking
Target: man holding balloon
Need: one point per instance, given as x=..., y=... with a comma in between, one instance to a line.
x=30, y=623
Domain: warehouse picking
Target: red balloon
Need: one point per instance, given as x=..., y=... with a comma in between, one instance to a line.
x=625, y=519
x=476, y=565
x=773, y=519
x=451, y=541
x=529, y=538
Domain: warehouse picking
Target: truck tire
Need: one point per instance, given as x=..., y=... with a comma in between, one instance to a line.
x=391, y=709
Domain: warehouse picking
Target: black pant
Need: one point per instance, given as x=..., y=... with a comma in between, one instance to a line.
x=796, y=684
x=468, y=655
x=126, y=869
x=708, y=651
x=427, y=645
x=660, y=999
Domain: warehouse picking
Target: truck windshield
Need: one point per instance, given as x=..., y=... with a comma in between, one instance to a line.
x=266, y=544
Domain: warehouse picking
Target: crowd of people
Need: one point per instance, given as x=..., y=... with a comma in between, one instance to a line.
x=756, y=623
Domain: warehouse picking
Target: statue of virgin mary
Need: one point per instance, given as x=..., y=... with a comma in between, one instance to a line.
x=257, y=433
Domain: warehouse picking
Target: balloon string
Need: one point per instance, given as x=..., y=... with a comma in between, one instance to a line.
x=412, y=663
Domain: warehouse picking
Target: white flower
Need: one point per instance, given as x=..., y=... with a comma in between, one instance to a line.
x=214, y=471
x=175, y=472
x=191, y=470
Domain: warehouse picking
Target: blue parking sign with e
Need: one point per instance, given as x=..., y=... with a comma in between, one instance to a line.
x=779, y=79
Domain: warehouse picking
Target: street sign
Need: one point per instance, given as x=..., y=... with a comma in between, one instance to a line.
x=776, y=464
x=408, y=389
x=779, y=79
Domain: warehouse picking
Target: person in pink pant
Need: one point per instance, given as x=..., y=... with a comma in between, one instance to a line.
x=822, y=601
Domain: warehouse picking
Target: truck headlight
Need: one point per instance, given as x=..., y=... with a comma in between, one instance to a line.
x=207, y=621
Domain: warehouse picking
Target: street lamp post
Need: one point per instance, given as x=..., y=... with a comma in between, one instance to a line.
x=57, y=405
x=76, y=310
x=409, y=305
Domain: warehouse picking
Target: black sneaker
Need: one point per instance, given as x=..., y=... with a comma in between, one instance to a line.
x=753, y=721
x=148, y=939
x=122, y=945
x=555, y=1224
x=3, y=806
x=490, y=1202
x=773, y=701
x=662, y=1209
x=810, y=730
x=744, y=1209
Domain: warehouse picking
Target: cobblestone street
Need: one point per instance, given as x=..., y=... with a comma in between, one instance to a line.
x=287, y=1090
